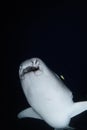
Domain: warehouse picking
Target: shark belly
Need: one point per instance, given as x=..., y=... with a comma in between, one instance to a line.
x=48, y=99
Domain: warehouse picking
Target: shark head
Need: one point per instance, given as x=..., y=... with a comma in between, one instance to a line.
x=33, y=66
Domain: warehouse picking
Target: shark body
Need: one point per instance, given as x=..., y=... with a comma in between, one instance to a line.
x=49, y=98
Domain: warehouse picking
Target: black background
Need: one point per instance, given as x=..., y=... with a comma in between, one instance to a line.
x=54, y=32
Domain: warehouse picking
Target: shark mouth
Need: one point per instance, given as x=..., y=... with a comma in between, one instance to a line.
x=28, y=70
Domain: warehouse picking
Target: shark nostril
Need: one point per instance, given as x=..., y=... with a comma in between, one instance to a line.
x=36, y=61
x=20, y=67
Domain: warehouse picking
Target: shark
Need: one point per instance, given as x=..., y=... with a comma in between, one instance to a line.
x=50, y=99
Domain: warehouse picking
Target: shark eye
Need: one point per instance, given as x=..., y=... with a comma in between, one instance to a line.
x=62, y=77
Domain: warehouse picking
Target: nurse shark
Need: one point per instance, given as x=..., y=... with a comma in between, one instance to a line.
x=50, y=99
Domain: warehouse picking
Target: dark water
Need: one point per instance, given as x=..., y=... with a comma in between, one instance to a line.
x=54, y=32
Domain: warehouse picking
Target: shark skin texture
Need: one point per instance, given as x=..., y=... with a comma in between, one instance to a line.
x=50, y=99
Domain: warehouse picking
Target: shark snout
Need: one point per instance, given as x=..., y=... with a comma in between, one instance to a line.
x=28, y=66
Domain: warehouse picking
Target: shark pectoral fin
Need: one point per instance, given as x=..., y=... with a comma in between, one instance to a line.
x=30, y=113
x=78, y=108
x=59, y=129
x=68, y=128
